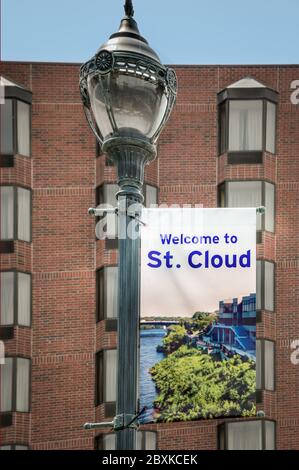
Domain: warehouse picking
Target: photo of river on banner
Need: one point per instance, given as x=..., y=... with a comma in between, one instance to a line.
x=199, y=367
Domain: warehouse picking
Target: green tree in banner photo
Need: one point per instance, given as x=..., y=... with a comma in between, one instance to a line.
x=193, y=385
x=176, y=337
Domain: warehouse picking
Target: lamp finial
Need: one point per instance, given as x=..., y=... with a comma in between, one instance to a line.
x=129, y=10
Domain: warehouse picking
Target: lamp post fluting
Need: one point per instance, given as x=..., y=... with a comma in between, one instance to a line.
x=128, y=96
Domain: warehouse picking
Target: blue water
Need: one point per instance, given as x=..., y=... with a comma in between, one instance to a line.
x=149, y=340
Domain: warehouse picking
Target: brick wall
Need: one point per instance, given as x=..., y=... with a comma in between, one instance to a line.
x=63, y=256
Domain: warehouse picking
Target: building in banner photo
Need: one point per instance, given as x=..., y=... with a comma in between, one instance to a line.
x=235, y=328
x=232, y=141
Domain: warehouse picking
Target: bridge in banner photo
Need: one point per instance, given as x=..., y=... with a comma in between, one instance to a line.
x=162, y=323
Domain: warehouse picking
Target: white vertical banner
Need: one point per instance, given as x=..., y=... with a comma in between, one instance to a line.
x=198, y=313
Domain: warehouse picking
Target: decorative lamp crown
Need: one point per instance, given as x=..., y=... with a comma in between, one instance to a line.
x=126, y=91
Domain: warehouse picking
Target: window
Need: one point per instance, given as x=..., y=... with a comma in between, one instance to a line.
x=7, y=212
x=7, y=134
x=106, y=376
x=247, y=435
x=250, y=194
x=271, y=127
x=265, y=369
x=15, y=127
x=146, y=440
x=247, y=121
x=223, y=113
x=265, y=275
x=23, y=128
x=15, y=385
x=107, y=293
x=14, y=447
x=15, y=213
x=15, y=298
x=150, y=195
x=106, y=194
x=245, y=125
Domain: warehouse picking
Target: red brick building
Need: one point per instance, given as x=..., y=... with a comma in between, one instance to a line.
x=238, y=147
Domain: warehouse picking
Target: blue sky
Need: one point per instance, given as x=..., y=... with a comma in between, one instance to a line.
x=181, y=31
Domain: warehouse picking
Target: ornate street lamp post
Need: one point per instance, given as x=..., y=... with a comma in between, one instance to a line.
x=128, y=96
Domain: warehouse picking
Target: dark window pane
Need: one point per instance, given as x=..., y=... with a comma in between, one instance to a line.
x=6, y=111
x=221, y=437
x=99, y=377
x=222, y=195
x=101, y=295
x=258, y=285
x=98, y=149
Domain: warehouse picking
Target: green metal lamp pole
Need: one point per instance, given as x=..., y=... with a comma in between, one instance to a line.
x=130, y=160
x=128, y=96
